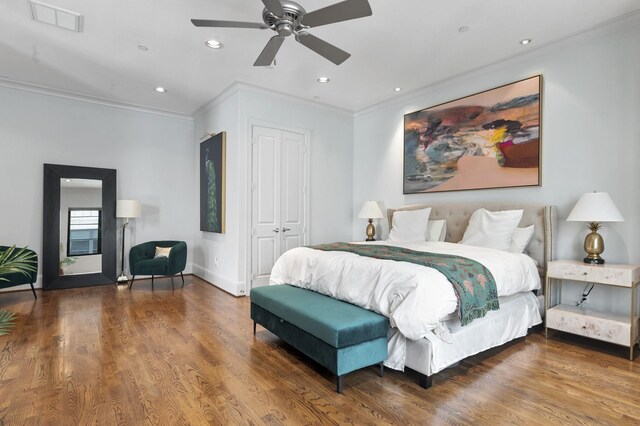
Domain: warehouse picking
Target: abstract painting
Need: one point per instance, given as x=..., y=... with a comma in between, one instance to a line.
x=487, y=140
x=212, y=183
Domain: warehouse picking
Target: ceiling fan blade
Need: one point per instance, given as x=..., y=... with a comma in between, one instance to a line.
x=274, y=6
x=343, y=11
x=227, y=24
x=269, y=52
x=321, y=47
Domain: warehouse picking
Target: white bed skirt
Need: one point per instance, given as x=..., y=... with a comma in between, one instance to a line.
x=516, y=315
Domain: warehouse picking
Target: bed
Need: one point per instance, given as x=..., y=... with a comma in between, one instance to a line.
x=430, y=350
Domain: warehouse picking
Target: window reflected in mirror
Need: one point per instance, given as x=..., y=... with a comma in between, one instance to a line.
x=84, y=232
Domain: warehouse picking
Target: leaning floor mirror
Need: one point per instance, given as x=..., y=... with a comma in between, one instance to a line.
x=79, y=227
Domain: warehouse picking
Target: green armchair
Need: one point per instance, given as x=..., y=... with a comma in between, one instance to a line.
x=16, y=278
x=142, y=261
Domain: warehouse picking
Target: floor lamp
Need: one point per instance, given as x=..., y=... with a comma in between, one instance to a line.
x=126, y=209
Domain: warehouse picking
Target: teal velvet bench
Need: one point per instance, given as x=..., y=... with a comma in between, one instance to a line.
x=338, y=335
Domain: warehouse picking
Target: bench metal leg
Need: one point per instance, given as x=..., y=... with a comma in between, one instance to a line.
x=131, y=283
x=152, y=282
x=425, y=381
x=381, y=368
x=254, y=328
x=172, y=287
x=339, y=383
x=182, y=276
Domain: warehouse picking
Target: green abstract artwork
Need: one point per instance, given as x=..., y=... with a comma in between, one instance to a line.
x=212, y=183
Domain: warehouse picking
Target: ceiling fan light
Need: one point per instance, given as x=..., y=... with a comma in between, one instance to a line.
x=323, y=79
x=214, y=44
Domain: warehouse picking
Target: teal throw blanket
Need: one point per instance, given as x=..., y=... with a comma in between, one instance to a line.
x=473, y=283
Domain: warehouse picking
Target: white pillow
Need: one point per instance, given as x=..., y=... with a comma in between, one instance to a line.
x=436, y=230
x=491, y=229
x=520, y=239
x=409, y=226
x=162, y=252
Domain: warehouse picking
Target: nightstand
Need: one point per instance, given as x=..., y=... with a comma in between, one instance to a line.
x=609, y=327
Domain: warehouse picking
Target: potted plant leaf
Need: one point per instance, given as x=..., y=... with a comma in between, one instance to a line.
x=14, y=260
x=64, y=260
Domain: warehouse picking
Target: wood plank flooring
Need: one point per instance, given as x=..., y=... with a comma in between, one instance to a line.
x=109, y=356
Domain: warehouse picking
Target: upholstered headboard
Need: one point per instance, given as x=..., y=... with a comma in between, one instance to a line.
x=544, y=217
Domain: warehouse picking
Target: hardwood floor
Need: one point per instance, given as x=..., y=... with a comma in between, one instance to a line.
x=107, y=356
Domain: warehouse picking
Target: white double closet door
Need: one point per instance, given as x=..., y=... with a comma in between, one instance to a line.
x=278, y=198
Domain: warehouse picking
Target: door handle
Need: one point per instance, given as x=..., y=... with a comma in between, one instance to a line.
x=276, y=230
x=285, y=229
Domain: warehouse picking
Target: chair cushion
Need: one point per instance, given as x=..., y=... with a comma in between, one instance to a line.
x=340, y=324
x=157, y=266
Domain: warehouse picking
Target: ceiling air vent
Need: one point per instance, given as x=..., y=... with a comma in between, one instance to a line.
x=53, y=15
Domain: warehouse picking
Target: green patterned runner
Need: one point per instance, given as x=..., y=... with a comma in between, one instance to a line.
x=473, y=283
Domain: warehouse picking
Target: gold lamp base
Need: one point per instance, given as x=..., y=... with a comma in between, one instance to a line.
x=594, y=245
x=371, y=231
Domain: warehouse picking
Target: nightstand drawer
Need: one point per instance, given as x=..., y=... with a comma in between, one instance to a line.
x=619, y=275
x=611, y=328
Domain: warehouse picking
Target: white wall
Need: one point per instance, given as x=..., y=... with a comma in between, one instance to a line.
x=331, y=163
x=216, y=256
x=590, y=137
x=153, y=154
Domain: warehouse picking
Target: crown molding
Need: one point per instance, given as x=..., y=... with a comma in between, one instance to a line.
x=220, y=98
x=247, y=87
x=47, y=91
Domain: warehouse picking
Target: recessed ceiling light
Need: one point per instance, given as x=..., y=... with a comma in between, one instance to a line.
x=323, y=79
x=525, y=41
x=143, y=48
x=463, y=29
x=214, y=44
x=160, y=89
x=397, y=89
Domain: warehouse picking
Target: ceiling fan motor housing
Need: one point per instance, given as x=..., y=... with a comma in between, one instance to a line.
x=289, y=22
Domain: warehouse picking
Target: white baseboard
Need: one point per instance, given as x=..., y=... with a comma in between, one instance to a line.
x=232, y=287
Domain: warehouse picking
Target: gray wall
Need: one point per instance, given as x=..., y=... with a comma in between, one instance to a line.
x=590, y=138
x=330, y=181
x=153, y=154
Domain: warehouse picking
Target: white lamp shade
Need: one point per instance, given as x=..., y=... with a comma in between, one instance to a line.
x=128, y=208
x=595, y=207
x=370, y=210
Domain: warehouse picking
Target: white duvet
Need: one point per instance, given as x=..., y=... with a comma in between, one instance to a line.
x=416, y=299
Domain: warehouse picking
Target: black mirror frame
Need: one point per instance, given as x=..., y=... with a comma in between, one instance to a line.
x=51, y=279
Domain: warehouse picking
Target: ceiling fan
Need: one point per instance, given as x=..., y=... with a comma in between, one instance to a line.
x=287, y=17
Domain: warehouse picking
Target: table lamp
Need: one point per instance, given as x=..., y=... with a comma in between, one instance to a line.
x=370, y=210
x=594, y=207
x=126, y=209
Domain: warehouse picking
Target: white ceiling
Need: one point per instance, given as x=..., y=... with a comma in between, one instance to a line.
x=406, y=43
